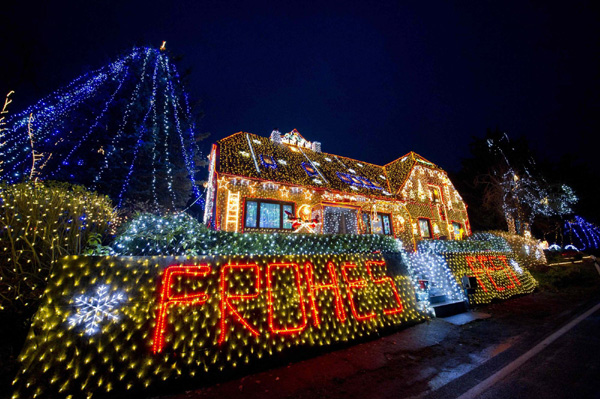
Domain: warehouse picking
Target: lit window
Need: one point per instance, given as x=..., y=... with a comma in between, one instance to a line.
x=457, y=230
x=435, y=195
x=381, y=225
x=387, y=224
x=425, y=228
x=367, y=223
x=268, y=161
x=266, y=214
x=308, y=168
x=251, y=212
x=287, y=210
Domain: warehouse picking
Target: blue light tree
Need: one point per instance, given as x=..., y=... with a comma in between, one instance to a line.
x=126, y=130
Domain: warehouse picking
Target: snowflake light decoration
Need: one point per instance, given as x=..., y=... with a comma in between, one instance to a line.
x=93, y=309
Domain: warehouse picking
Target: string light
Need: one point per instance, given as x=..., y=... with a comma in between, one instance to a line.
x=204, y=314
x=103, y=131
x=587, y=235
x=337, y=191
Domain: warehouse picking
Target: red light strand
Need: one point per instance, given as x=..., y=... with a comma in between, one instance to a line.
x=226, y=298
x=285, y=330
x=383, y=280
x=167, y=299
x=333, y=286
x=359, y=283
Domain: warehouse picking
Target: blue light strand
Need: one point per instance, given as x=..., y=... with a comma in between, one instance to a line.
x=52, y=115
x=181, y=141
x=126, y=114
x=590, y=232
x=192, y=129
x=166, y=142
x=138, y=143
x=94, y=125
x=61, y=103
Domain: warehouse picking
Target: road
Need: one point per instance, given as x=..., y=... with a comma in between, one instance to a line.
x=566, y=367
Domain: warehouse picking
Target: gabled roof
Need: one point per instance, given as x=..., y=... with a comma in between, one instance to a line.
x=257, y=157
x=399, y=170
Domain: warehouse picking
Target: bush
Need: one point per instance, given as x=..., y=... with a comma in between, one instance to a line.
x=41, y=222
x=180, y=234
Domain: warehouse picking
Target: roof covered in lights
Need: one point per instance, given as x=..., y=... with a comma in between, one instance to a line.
x=300, y=163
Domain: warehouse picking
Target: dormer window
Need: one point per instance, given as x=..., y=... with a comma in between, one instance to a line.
x=436, y=197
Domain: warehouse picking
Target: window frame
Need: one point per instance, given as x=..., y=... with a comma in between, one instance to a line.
x=433, y=188
x=460, y=226
x=369, y=227
x=282, y=214
x=428, y=225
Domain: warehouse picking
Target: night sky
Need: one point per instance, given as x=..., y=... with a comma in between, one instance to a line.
x=370, y=80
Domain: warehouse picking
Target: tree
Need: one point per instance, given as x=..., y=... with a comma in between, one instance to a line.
x=126, y=130
x=505, y=188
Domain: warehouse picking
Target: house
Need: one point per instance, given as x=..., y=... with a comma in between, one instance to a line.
x=285, y=183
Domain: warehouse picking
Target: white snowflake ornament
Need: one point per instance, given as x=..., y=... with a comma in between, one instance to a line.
x=93, y=309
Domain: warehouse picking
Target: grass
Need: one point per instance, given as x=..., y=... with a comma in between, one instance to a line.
x=572, y=277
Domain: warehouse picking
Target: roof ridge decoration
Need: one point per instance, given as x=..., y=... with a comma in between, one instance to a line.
x=295, y=139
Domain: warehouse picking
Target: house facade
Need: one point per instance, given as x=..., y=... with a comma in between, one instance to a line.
x=285, y=183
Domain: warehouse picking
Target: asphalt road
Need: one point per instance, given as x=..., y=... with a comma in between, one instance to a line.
x=569, y=367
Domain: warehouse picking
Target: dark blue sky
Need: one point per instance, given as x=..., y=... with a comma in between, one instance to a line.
x=370, y=81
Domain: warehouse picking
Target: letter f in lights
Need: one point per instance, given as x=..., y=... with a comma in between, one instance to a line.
x=167, y=298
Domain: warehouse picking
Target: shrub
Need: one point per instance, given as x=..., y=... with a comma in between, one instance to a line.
x=180, y=234
x=39, y=223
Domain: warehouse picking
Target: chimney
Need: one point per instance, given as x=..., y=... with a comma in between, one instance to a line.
x=316, y=146
x=276, y=136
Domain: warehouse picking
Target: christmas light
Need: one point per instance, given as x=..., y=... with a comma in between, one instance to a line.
x=93, y=309
x=114, y=129
x=187, y=316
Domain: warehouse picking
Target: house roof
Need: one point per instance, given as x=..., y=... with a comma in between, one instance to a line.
x=257, y=157
x=399, y=170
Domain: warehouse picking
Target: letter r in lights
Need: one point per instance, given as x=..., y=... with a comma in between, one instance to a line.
x=227, y=306
x=167, y=298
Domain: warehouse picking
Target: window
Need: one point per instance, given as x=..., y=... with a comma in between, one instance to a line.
x=425, y=228
x=338, y=220
x=308, y=168
x=270, y=216
x=435, y=195
x=366, y=218
x=457, y=230
x=268, y=161
x=266, y=214
x=383, y=224
x=287, y=224
x=358, y=181
x=251, y=212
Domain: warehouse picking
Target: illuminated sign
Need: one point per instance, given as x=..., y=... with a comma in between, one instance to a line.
x=291, y=292
x=109, y=324
x=498, y=275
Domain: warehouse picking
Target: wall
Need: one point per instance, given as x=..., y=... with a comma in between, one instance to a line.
x=127, y=323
